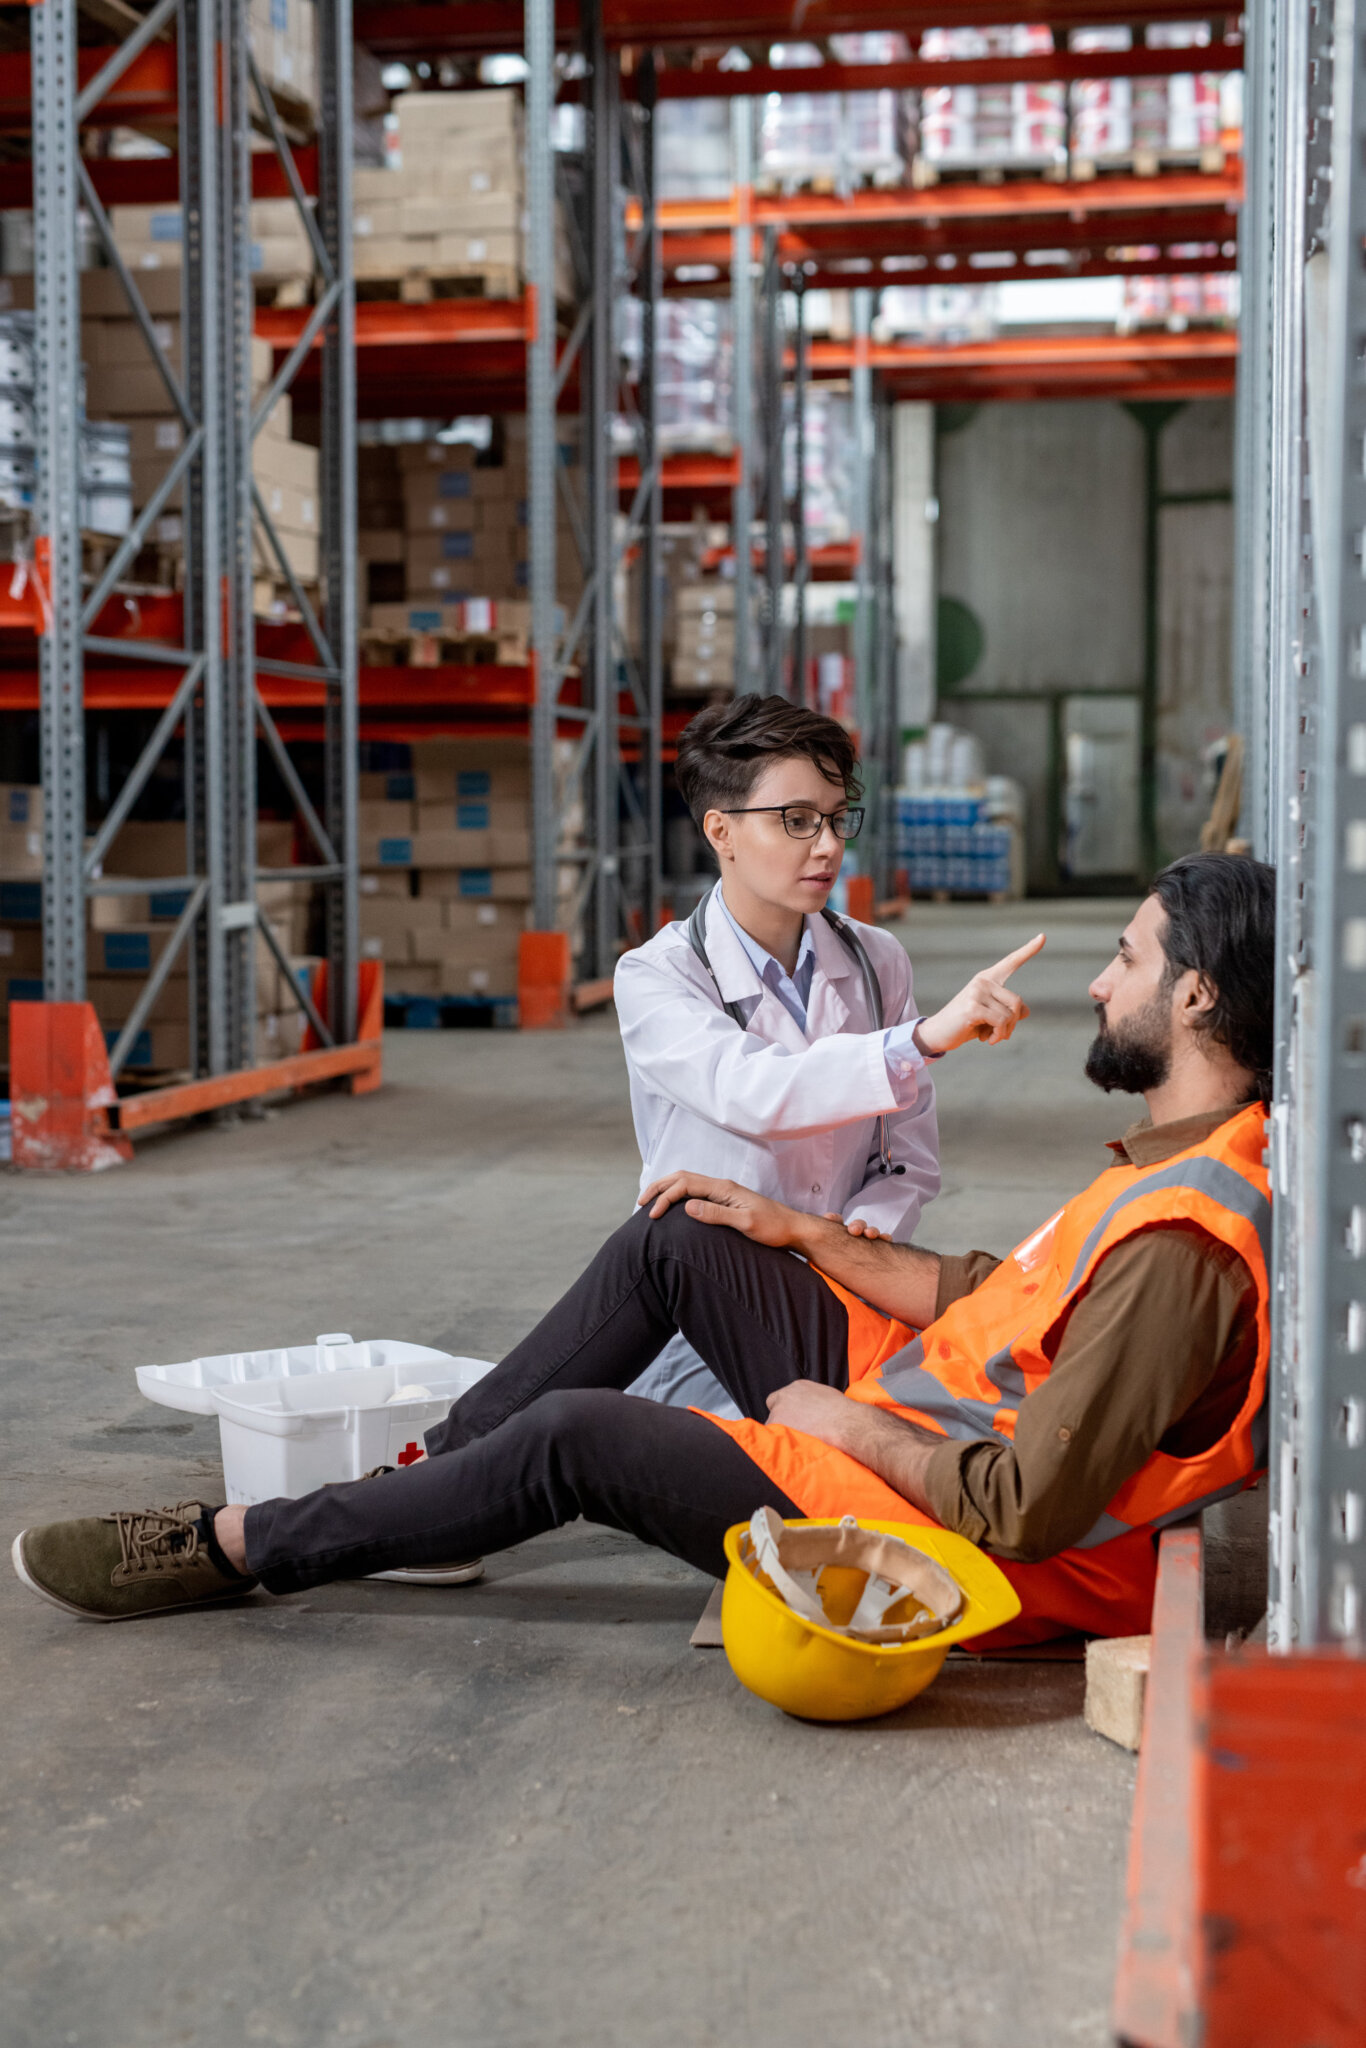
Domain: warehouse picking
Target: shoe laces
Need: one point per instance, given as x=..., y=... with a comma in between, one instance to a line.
x=153, y=1539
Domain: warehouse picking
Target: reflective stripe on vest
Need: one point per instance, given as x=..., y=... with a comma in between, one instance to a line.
x=908, y=1382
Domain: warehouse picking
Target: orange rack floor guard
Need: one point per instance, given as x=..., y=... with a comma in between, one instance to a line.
x=66, y=1113
x=1246, y=1917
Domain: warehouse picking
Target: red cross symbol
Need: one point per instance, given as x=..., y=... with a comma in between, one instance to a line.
x=411, y=1454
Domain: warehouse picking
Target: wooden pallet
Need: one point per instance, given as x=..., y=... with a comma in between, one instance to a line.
x=418, y=287
x=1148, y=163
x=924, y=173
x=390, y=649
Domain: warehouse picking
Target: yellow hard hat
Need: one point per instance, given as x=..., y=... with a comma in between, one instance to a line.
x=838, y=1621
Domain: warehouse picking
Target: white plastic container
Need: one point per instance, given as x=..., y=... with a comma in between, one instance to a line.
x=300, y=1416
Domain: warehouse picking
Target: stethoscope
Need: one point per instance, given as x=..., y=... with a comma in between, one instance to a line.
x=871, y=989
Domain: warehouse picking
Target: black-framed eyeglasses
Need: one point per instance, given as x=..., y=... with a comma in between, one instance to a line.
x=804, y=821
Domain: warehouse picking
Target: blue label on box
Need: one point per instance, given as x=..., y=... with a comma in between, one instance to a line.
x=141, y=1055
x=476, y=881
x=127, y=952
x=457, y=547
x=167, y=903
x=472, y=817
x=396, y=853
x=21, y=902
x=164, y=227
x=20, y=806
x=453, y=483
x=23, y=988
x=399, y=789
x=473, y=782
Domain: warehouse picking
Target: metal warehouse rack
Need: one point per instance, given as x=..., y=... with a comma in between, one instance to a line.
x=1306, y=702
x=205, y=647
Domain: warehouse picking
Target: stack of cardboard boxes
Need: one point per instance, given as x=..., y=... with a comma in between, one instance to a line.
x=124, y=384
x=128, y=933
x=451, y=206
x=704, y=635
x=462, y=536
x=445, y=853
x=283, y=42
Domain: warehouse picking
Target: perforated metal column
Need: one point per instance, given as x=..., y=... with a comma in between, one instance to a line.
x=742, y=384
x=57, y=338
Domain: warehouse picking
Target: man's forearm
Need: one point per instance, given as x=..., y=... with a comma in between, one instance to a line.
x=899, y=1279
x=897, y=1450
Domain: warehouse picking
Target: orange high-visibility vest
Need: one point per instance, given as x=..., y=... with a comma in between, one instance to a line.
x=966, y=1375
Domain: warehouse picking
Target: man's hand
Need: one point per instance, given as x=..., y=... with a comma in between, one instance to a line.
x=725, y=1201
x=817, y=1410
x=985, y=1009
x=894, y=1447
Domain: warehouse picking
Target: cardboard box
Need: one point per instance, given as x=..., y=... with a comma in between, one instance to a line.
x=694, y=599
x=419, y=979
x=21, y=950
x=380, y=544
x=426, y=116
x=703, y=675
x=133, y=950
x=476, y=964
x=390, y=884
x=394, y=850
x=449, y=769
x=393, y=786
x=157, y=1047
x=472, y=914
x=383, y=818
x=21, y=850
x=283, y=42
x=280, y=1035
x=21, y=803
x=415, y=457
x=488, y=885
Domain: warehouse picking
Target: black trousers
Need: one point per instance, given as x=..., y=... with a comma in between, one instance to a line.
x=550, y=1434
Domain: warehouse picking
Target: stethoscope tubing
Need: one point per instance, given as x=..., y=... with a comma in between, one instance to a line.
x=871, y=988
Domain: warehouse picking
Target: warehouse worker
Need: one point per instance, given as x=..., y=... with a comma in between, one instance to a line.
x=767, y=1042
x=1057, y=1407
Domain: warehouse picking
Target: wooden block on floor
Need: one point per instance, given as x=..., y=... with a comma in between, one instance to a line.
x=707, y=1634
x=1116, y=1680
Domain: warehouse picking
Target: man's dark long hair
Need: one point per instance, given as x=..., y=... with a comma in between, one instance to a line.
x=1221, y=920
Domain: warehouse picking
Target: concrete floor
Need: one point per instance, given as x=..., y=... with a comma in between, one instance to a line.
x=523, y=1814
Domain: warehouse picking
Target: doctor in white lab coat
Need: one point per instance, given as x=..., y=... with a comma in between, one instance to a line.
x=786, y=1107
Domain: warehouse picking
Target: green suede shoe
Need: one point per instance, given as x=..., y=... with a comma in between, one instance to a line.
x=116, y=1567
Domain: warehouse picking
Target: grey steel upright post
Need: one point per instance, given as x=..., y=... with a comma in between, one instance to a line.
x=539, y=31
x=652, y=573
x=1328, y=1598
x=601, y=483
x=774, y=338
x=236, y=914
x=864, y=539
x=1288, y=707
x=1254, y=422
x=801, y=563
x=57, y=341
x=338, y=475
x=742, y=381
x=197, y=55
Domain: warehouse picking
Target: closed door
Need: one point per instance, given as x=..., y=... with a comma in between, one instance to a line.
x=1101, y=787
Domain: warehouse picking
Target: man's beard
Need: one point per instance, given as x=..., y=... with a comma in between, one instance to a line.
x=1137, y=1057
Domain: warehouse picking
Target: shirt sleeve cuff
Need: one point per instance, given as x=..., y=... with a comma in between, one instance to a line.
x=950, y=1503
x=905, y=1061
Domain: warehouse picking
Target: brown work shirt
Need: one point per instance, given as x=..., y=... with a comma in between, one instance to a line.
x=1156, y=1352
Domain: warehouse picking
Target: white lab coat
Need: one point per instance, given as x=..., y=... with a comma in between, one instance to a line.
x=793, y=1116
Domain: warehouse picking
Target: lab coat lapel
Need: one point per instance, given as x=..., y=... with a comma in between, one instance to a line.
x=738, y=982
x=828, y=1011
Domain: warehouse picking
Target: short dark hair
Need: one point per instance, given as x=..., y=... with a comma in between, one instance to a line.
x=1221, y=921
x=724, y=750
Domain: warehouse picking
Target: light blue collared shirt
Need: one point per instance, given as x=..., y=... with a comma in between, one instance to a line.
x=905, y=1061
x=792, y=990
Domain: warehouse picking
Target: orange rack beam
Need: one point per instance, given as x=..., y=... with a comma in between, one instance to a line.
x=972, y=200
x=469, y=27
